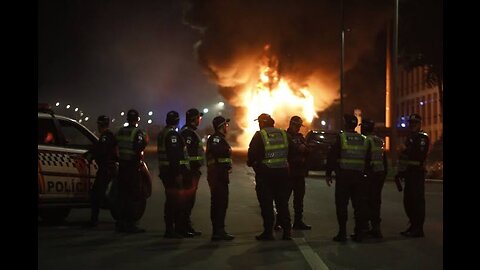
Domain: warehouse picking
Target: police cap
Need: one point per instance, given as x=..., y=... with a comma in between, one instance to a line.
x=264, y=117
x=351, y=121
x=367, y=125
x=192, y=113
x=296, y=120
x=132, y=115
x=172, y=118
x=414, y=118
x=219, y=121
x=103, y=120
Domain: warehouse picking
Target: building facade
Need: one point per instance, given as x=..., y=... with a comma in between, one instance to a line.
x=416, y=97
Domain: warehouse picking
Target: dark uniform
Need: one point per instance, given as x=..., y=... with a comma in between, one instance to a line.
x=376, y=170
x=219, y=166
x=105, y=154
x=267, y=154
x=174, y=166
x=347, y=158
x=131, y=143
x=196, y=156
x=297, y=155
x=411, y=167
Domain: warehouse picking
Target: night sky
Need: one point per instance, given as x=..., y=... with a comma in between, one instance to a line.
x=109, y=56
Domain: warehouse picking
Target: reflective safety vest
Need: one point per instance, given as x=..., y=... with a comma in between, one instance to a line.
x=126, y=138
x=162, y=153
x=276, y=147
x=377, y=150
x=201, y=153
x=353, y=151
x=404, y=162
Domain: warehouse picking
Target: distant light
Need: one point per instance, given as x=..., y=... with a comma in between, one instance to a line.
x=76, y=109
x=403, y=125
x=421, y=103
x=81, y=113
x=205, y=110
x=221, y=104
x=122, y=113
x=149, y=121
x=323, y=123
x=86, y=118
x=150, y=113
x=57, y=104
x=125, y=125
x=322, y=137
x=113, y=120
x=80, y=120
x=176, y=129
x=68, y=106
x=403, y=117
x=139, y=118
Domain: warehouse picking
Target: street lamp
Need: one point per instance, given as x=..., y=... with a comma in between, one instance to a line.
x=205, y=110
x=122, y=113
x=68, y=106
x=86, y=118
x=150, y=113
x=323, y=122
x=221, y=104
x=57, y=104
x=149, y=121
x=76, y=109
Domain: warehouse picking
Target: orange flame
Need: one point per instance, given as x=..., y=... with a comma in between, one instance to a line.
x=275, y=96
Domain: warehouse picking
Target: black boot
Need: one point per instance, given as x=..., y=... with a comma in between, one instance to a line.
x=266, y=235
x=217, y=236
x=300, y=225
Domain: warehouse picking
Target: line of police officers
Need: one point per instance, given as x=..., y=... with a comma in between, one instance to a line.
x=278, y=159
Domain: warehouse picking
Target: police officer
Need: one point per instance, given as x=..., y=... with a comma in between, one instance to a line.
x=297, y=155
x=105, y=154
x=131, y=143
x=267, y=154
x=174, y=165
x=219, y=167
x=411, y=168
x=196, y=157
x=347, y=158
x=376, y=170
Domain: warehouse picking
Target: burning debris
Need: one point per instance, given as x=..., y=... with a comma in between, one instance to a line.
x=277, y=57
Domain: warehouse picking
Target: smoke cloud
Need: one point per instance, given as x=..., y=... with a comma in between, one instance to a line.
x=303, y=34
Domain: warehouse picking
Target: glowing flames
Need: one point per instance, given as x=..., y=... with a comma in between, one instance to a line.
x=275, y=96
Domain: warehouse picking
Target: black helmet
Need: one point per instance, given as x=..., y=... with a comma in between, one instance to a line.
x=296, y=120
x=172, y=118
x=367, y=125
x=192, y=113
x=219, y=121
x=415, y=118
x=132, y=115
x=103, y=121
x=351, y=121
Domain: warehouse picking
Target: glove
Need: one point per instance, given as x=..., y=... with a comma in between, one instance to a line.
x=398, y=182
x=328, y=179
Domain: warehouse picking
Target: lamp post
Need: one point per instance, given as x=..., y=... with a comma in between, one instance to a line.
x=342, y=58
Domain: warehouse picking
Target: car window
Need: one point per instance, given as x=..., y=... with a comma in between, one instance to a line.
x=76, y=136
x=47, y=134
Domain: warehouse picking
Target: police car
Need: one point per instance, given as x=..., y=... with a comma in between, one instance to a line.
x=64, y=175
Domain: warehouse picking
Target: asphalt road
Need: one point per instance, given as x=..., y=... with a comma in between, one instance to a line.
x=69, y=246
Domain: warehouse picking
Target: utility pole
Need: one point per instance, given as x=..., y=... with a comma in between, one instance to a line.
x=394, y=85
x=342, y=58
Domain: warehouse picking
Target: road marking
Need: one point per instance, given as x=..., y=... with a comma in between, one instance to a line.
x=310, y=256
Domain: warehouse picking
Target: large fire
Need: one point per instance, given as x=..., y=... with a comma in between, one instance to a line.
x=275, y=96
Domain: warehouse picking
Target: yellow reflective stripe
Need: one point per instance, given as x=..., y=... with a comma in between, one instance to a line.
x=409, y=162
x=357, y=161
x=276, y=146
x=263, y=132
x=274, y=160
x=219, y=160
x=224, y=160
x=181, y=162
x=195, y=158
